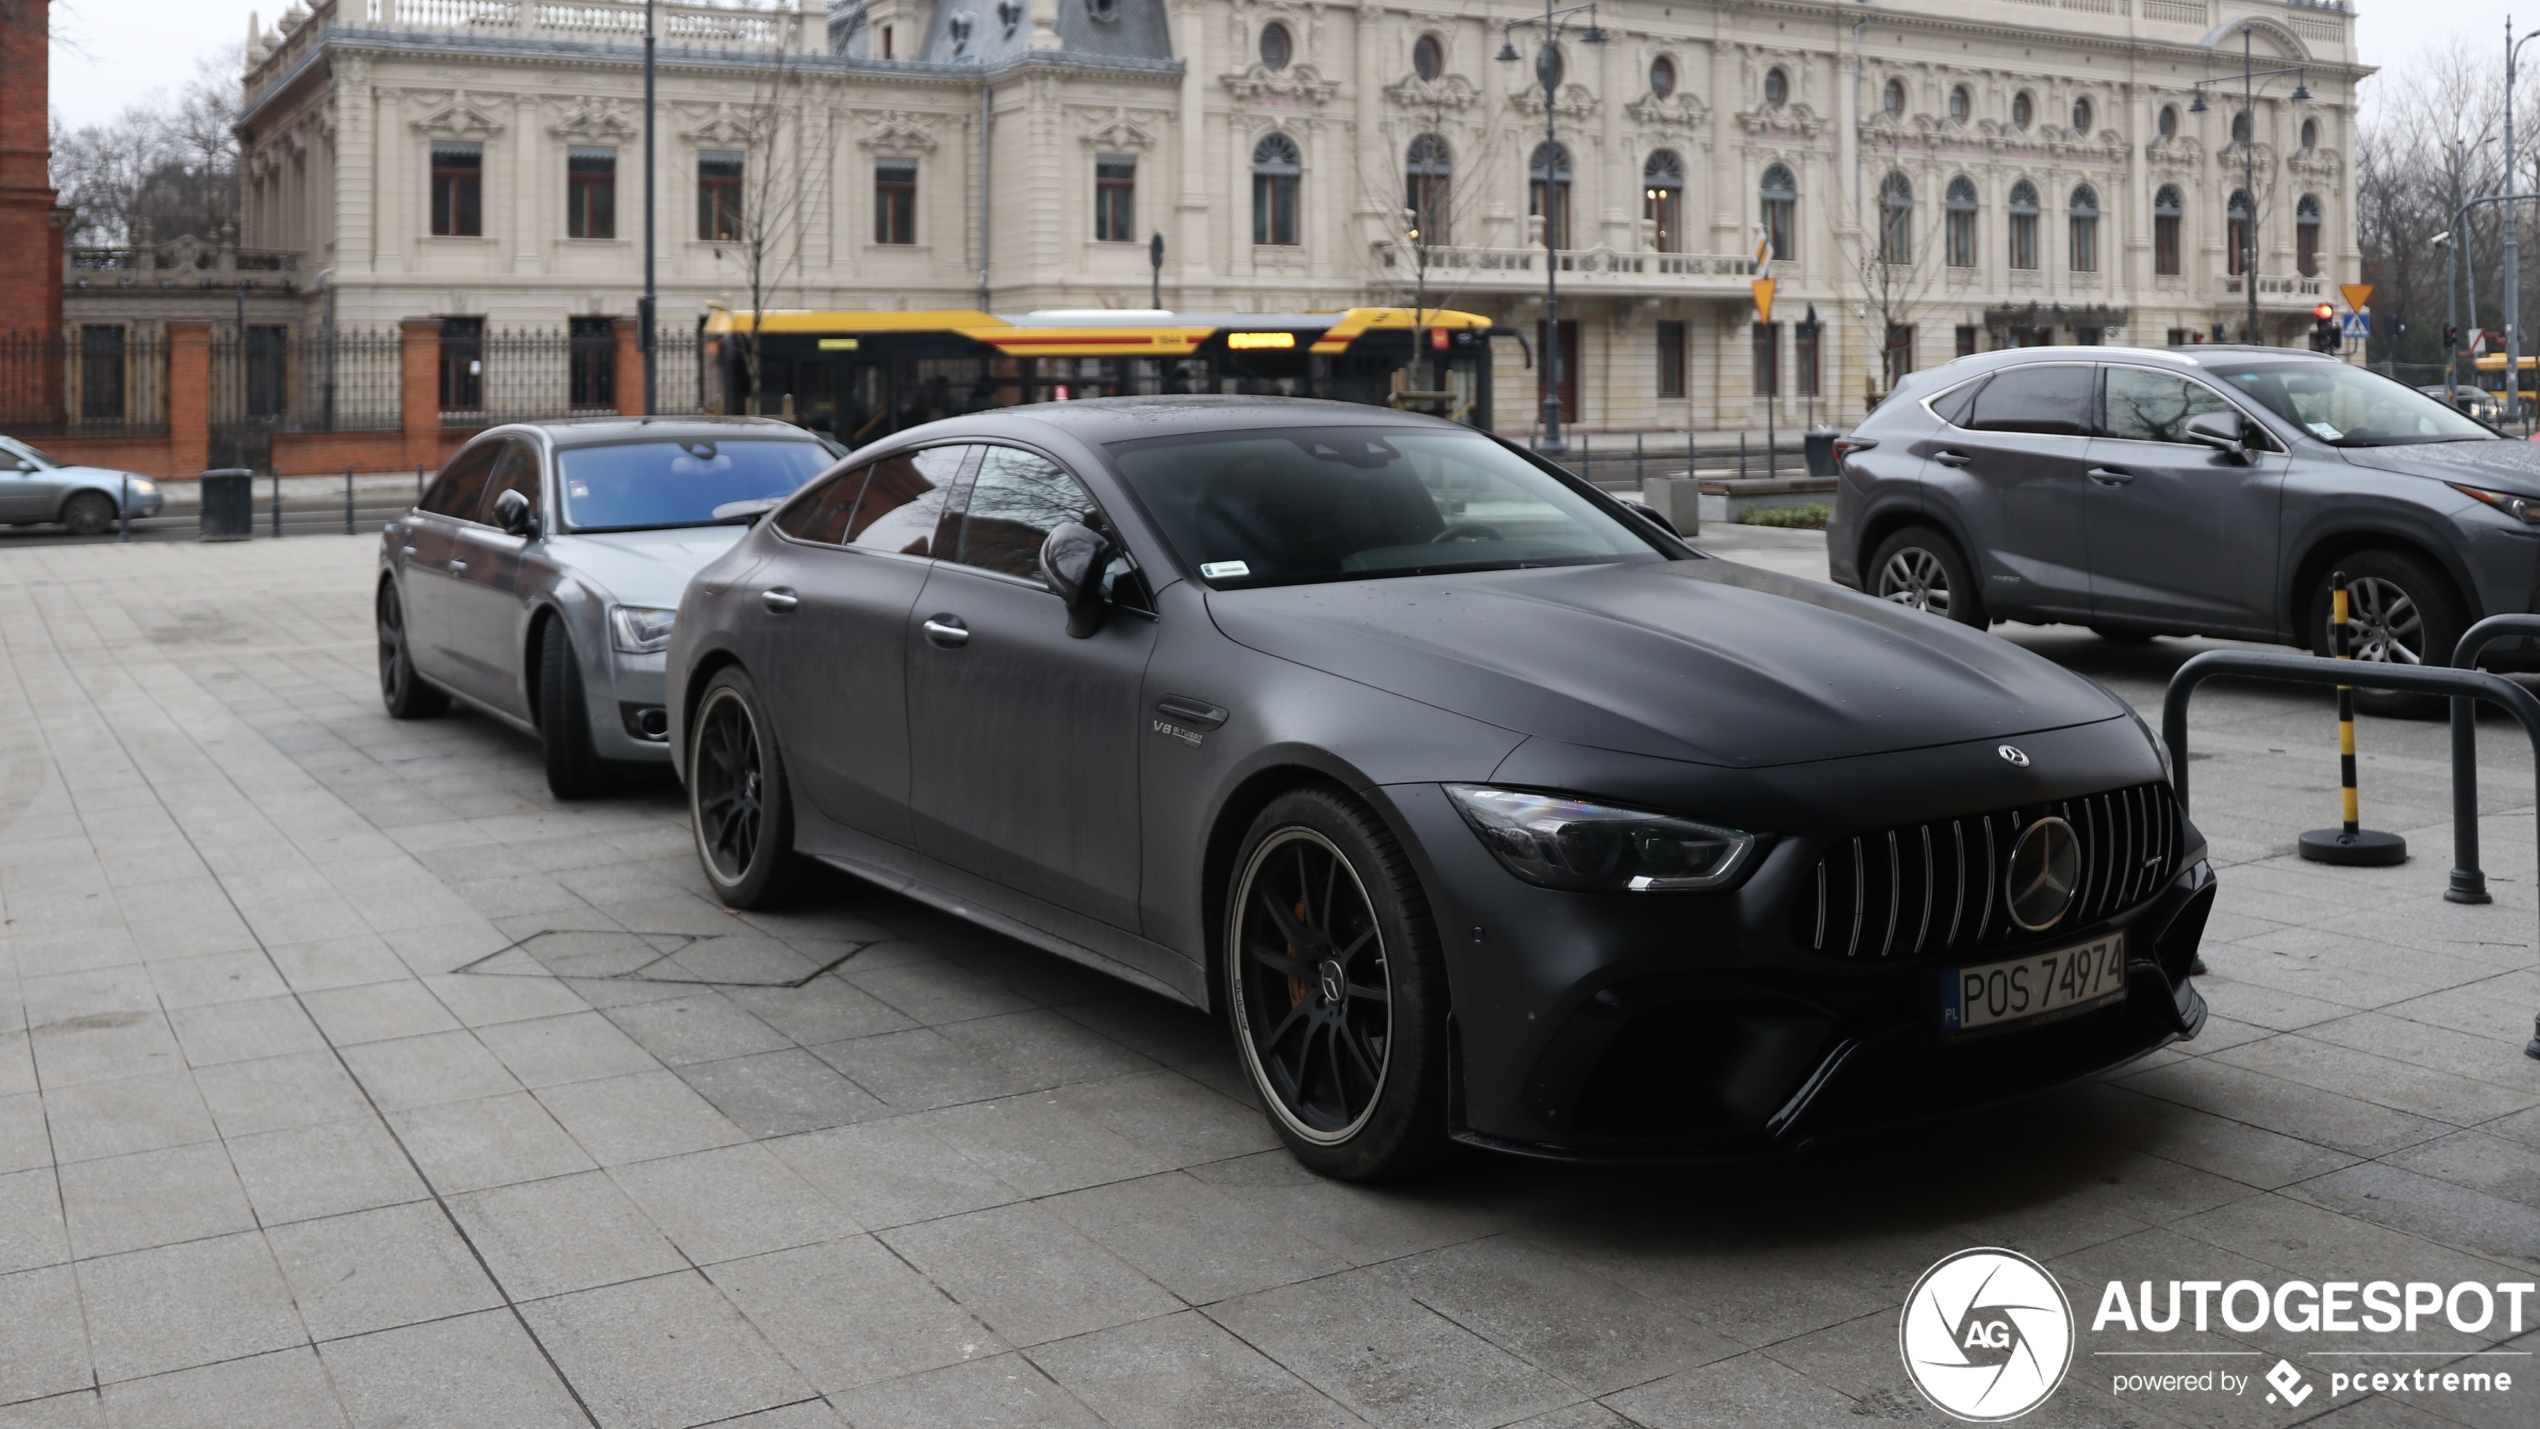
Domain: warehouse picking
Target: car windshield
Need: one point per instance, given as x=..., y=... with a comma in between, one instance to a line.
x=2348, y=406
x=634, y=486
x=39, y=458
x=1261, y=508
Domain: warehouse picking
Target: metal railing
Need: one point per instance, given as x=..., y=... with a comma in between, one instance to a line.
x=1623, y=463
x=89, y=381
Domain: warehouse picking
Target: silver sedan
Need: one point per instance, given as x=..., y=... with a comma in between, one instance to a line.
x=35, y=487
x=539, y=576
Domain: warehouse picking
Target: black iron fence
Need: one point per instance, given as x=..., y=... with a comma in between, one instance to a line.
x=86, y=382
x=491, y=375
x=1623, y=462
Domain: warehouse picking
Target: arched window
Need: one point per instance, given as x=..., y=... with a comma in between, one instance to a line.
x=1662, y=189
x=1780, y=193
x=1428, y=57
x=1548, y=192
x=2023, y=110
x=2240, y=230
x=1896, y=219
x=2167, y=212
x=2023, y=208
x=1961, y=103
x=1428, y=176
x=1662, y=76
x=1275, y=167
x=1277, y=46
x=2082, y=115
x=1551, y=67
x=1776, y=88
x=2306, y=236
x=2169, y=121
x=1892, y=99
x=2240, y=127
x=1962, y=222
x=2310, y=134
x=2082, y=215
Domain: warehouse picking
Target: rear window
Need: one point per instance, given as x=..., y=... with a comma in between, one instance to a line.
x=2051, y=398
x=633, y=486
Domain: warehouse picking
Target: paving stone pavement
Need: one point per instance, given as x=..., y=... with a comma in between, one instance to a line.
x=347, y=1079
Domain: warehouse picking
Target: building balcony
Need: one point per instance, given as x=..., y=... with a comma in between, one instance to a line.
x=2286, y=290
x=1460, y=268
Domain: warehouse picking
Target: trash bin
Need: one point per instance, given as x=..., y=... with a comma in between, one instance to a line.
x=229, y=505
x=1820, y=442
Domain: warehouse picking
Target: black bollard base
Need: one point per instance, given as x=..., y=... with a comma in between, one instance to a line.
x=2365, y=848
x=2532, y=1048
x=2469, y=885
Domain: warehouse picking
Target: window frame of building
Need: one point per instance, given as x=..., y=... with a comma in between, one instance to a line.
x=1899, y=353
x=2081, y=235
x=2167, y=124
x=2242, y=126
x=590, y=192
x=104, y=372
x=2239, y=233
x=2021, y=250
x=591, y=372
x=1778, y=193
x=1961, y=103
x=1428, y=56
x=895, y=201
x=1662, y=76
x=1892, y=99
x=1549, y=175
x=721, y=175
x=1765, y=355
x=1807, y=358
x=1277, y=167
x=1896, y=218
x=1961, y=206
x=1776, y=87
x=1967, y=339
x=462, y=387
x=2023, y=110
x=458, y=189
x=1116, y=198
x=2169, y=212
x=2307, y=227
x=1662, y=186
x=1428, y=189
x=2083, y=115
x=1552, y=66
x=2310, y=135
x=1671, y=359
x=1277, y=47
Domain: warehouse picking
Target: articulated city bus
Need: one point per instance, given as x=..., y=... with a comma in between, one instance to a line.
x=2490, y=376
x=861, y=375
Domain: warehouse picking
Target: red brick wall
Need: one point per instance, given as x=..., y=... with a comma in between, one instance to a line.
x=30, y=229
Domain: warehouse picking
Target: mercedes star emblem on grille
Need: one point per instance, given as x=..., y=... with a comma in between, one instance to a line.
x=2012, y=754
x=2045, y=873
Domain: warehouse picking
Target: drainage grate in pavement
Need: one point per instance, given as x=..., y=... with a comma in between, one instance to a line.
x=743, y=959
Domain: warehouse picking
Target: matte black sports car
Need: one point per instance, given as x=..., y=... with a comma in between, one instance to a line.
x=1484, y=807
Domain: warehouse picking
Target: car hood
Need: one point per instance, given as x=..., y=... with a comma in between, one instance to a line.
x=2504, y=465
x=97, y=475
x=1701, y=660
x=642, y=567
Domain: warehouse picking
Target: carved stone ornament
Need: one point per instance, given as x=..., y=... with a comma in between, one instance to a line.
x=1114, y=131
x=721, y=125
x=1298, y=81
x=1680, y=110
x=899, y=131
x=2317, y=165
x=1447, y=92
x=461, y=118
x=1575, y=101
x=596, y=119
x=2179, y=151
x=1796, y=118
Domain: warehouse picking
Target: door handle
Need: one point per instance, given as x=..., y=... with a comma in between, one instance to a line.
x=947, y=631
x=778, y=599
x=2109, y=475
x=457, y=566
x=407, y=550
x=1950, y=458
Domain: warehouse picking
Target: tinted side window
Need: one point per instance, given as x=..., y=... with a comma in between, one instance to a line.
x=515, y=470
x=461, y=485
x=1015, y=501
x=2053, y=398
x=2146, y=406
x=821, y=513
x=904, y=499
x=1952, y=406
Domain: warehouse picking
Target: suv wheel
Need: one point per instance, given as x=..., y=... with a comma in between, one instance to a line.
x=1921, y=569
x=2401, y=610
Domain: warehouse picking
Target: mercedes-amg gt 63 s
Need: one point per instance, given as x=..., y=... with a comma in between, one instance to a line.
x=1483, y=807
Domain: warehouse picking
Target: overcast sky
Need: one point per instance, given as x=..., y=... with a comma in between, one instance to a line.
x=109, y=53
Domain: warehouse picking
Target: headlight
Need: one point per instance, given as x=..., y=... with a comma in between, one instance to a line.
x=641, y=630
x=1566, y=843
x=2521, y=508
x=143, y=486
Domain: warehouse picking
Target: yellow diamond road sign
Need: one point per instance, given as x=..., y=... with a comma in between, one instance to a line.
x=2357, y=294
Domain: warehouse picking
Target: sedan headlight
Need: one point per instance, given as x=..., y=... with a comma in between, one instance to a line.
x=144, y=486
x=2521, y=508
x=641, y=630
x=1562, y=842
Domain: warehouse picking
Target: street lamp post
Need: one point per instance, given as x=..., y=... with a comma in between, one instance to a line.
x=1548, y=72
x=645, y=313
x=2249, y=77
x=2452, y=241
x=2513, y=248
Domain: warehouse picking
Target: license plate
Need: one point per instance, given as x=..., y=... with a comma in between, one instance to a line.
x=2021, y=988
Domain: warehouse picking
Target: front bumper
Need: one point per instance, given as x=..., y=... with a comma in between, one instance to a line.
x=1637, y=1028
x=628, y=723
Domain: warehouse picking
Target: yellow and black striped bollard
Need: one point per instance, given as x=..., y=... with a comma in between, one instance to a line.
x=2350, y=844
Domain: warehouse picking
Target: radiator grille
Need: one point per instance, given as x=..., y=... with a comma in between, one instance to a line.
x=1937, y=887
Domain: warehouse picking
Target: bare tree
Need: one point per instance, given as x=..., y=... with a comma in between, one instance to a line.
x=1427, y=191
x=166, y=166
x=1891, y=251
x=782, y=140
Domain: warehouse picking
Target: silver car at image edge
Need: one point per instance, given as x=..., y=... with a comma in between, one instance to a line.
x=36, y=487
x=538, y=576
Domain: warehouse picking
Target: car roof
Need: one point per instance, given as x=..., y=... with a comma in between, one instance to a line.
x=1101, y=421
x=596, y=431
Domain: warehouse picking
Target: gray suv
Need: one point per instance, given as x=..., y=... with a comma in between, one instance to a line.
x=2209, y=490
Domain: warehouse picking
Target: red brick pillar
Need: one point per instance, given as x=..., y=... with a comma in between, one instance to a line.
x=419, y=353
x=630, y=368
x=30, y=229
x=189, y=397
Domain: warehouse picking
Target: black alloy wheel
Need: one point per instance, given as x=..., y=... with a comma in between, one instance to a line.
x=2400, y=610
x=403, y=691
x=574, y=767
x=89, y=513
x=1920, y=569
x=1336, y=991
x=738, y=802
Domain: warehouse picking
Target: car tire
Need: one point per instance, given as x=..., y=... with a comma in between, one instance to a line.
x=574, y=768
x=740, y=807
x=1346, y=1039
x=2404, y=609
x=89, y=513
x=1922, y=569
x=406, y=694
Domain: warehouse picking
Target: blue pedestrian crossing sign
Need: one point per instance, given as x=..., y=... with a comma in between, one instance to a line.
x=2355, y=327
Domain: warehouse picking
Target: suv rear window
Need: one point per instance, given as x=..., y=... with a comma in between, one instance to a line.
x=2053, y=398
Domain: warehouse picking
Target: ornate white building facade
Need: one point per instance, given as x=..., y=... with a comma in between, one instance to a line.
x=2017, y=170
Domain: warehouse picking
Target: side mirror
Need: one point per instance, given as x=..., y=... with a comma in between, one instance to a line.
x=514, y=513
x=2225, y=432
x=1072, y=561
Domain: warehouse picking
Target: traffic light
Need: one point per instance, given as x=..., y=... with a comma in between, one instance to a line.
x=2324, y=334
x=2451, y=337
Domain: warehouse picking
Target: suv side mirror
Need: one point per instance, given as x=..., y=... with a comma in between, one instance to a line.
x=514, y=513
x=2225, y=432
x=1072, y=561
